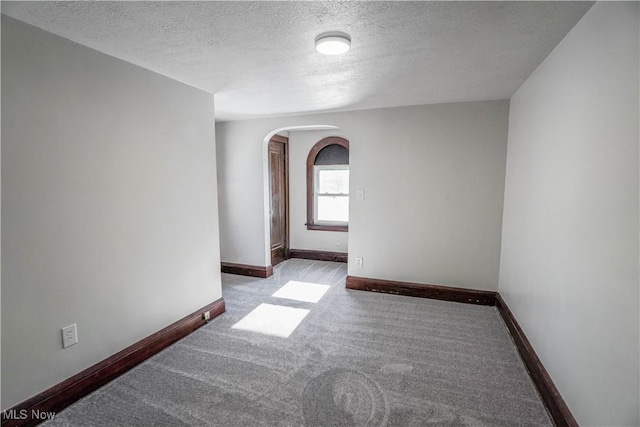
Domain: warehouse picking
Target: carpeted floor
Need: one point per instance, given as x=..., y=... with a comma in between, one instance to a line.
x=351, y=358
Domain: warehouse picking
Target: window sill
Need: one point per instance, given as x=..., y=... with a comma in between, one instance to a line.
x=343, y=228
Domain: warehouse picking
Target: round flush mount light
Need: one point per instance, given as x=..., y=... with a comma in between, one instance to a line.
x=334, y=43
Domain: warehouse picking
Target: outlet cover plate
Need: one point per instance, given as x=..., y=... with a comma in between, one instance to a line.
x=69, y=335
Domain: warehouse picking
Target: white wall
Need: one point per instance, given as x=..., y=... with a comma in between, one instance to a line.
x=109, y=206
x=300, y=143
x=434, y=184
x=569, y=268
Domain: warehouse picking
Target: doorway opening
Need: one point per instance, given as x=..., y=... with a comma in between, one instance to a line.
x=293, y=194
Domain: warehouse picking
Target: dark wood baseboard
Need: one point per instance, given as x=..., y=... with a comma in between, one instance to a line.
x=318, y=255
x=555, y=404
x=76, y=387
x=446, y=293
x=247, y=270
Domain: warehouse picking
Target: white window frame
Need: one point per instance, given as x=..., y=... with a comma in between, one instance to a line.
x=316, y=193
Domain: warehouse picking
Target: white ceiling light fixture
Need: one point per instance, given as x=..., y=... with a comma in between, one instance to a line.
x=333, y=43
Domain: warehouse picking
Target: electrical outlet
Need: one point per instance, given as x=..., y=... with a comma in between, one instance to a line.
x=69, y=335
x=206, y=316
x=359, y=262
x=337, y=242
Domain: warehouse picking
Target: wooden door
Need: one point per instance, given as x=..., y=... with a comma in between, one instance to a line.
x=279, y=198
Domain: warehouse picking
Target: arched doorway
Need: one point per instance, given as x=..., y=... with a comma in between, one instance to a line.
x=286, y=203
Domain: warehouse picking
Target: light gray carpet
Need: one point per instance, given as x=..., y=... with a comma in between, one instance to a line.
x=357, y=358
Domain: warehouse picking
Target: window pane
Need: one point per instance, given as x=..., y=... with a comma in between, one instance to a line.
x=333, y=208
x=333, y=181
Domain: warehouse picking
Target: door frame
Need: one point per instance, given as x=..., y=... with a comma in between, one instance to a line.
x=284, y=141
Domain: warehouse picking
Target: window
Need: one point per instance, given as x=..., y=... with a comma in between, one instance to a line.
x=328, y=185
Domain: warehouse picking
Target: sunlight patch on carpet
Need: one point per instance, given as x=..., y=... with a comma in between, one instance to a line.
x=274, y=320
x=302, y=291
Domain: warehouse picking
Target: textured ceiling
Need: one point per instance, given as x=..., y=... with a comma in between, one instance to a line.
x=259, y=57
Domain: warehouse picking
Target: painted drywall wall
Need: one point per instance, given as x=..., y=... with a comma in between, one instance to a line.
x=300, y=143
x=569, y=269
x=433, y=178
x=109, y=206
